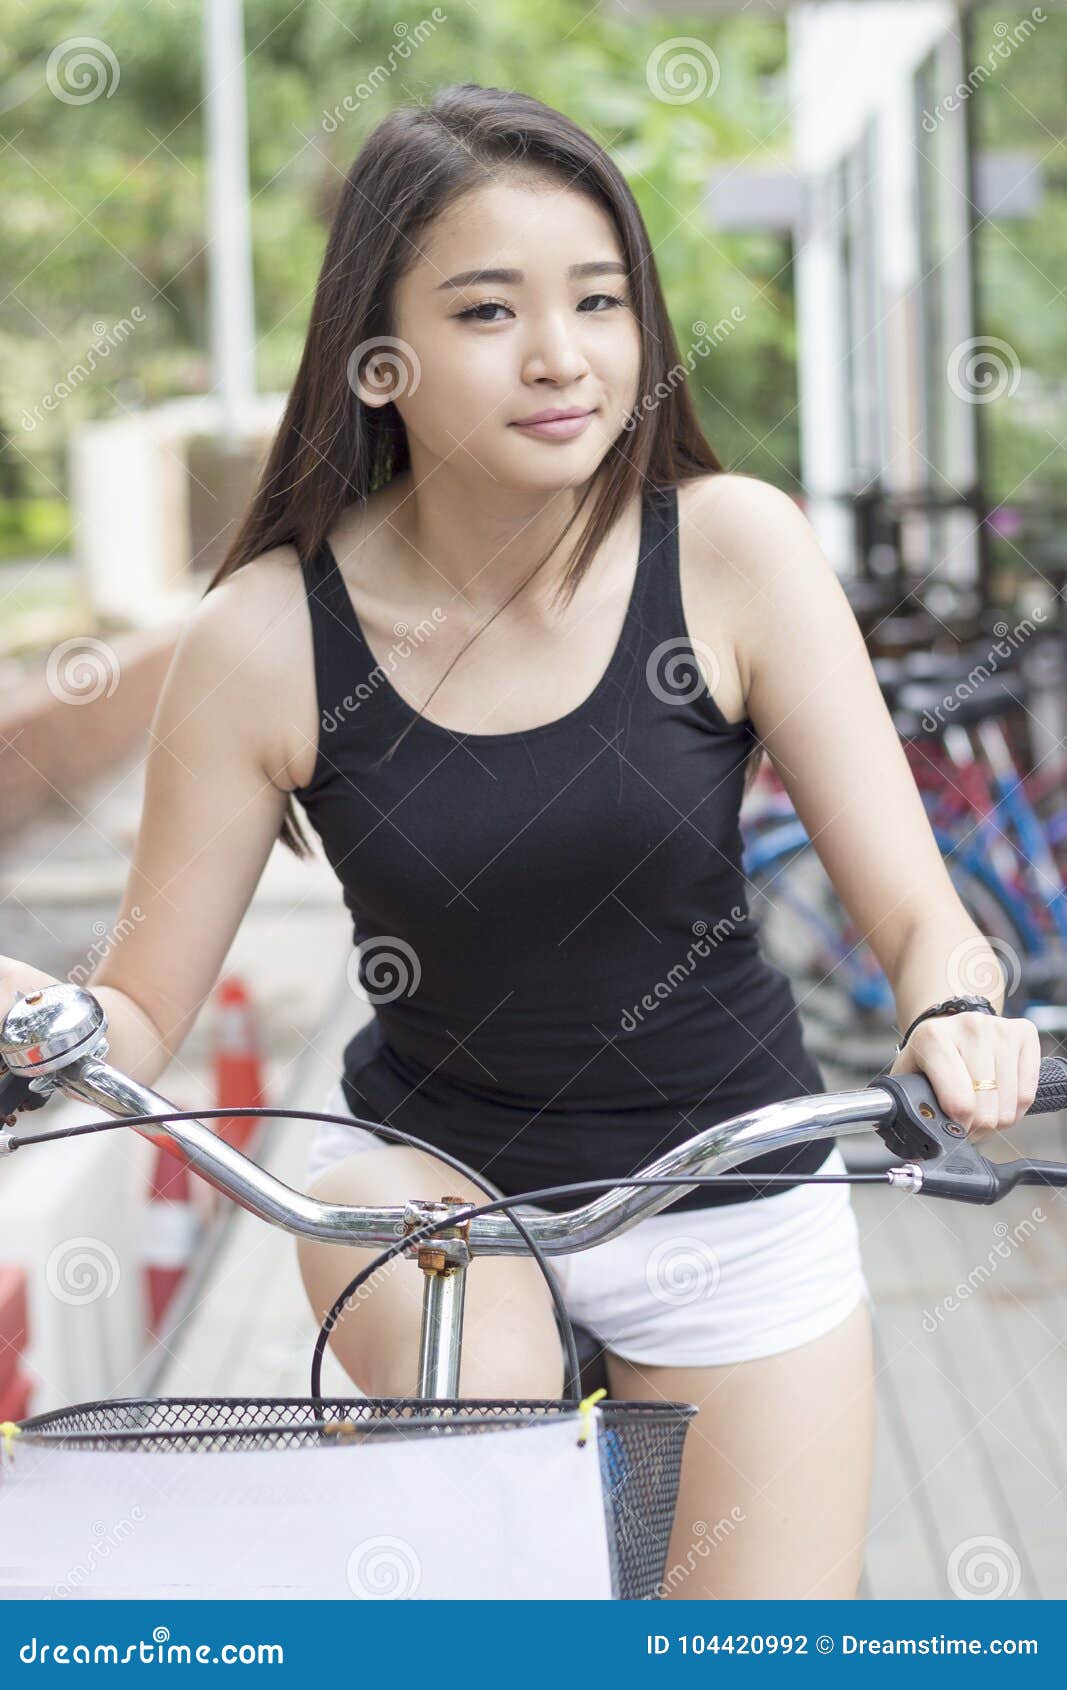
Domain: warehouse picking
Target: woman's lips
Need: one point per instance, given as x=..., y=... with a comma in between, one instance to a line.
x=563, y=428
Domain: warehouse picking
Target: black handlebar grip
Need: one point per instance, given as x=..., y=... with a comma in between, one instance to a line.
x=1051, y=1087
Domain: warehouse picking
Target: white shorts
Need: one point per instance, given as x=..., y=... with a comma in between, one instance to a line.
x=700, y=1288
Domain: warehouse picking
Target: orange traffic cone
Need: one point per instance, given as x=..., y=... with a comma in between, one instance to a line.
x=16, y=1385
x=171, y=1231
x=238, y=1064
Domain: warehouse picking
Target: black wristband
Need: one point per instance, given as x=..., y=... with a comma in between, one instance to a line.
x=950, y=1006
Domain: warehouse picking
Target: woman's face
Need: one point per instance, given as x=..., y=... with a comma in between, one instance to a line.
x=477, y=356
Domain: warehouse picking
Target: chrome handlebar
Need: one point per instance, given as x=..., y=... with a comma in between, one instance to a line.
x=712, y=1151
x=54, y=1039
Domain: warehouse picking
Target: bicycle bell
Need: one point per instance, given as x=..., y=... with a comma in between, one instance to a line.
x=49, y=1028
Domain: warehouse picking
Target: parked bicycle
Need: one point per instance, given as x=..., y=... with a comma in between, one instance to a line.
x=1001, y=837
x=53, y=1040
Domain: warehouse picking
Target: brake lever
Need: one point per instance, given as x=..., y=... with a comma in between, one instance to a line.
x=17, y=1093
x=940, y=1160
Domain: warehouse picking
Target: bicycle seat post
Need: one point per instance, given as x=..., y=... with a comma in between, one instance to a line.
x=443, y=1259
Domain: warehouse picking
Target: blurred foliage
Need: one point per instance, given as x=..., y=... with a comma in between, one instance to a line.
x=1021, y=260
x=105, y=197
x=33, y=526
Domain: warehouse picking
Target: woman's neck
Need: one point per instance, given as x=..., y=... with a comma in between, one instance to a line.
x=479, y=543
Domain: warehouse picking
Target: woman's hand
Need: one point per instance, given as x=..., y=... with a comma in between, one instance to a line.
x=953, y=1051
x=16, y=977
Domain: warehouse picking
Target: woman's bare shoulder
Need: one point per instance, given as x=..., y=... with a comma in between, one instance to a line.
x=255, y=615
x=744, y=542
x=715, y=594
x=248, y=634
x=736, y=514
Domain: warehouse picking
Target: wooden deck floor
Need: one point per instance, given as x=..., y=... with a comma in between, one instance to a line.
x=971, y=1320
x=970, y=1489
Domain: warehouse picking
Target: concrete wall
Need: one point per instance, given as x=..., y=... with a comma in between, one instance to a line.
x=152, y=517
x=84, y=713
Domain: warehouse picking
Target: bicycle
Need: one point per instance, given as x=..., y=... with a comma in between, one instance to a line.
x=54, y=1039
x=998, y=852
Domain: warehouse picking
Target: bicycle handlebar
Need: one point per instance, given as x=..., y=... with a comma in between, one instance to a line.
x=53, y=1039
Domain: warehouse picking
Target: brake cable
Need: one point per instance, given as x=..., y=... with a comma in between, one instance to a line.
x=939, y=1161
x=10, y=1141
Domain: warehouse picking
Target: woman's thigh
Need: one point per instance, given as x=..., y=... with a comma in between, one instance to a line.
x=776, y=1471
x=511, y=1346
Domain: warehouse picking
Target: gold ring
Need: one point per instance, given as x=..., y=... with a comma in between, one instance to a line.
x=985, y=1085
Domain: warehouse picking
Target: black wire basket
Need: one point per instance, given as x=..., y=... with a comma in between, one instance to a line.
x=640, y=1451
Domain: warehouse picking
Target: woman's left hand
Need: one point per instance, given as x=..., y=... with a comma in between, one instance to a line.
x=953, y=1051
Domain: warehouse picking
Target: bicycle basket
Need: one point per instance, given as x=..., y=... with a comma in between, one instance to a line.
x=639, y=1447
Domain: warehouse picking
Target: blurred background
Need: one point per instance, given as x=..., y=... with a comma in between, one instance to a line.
x=859, y=210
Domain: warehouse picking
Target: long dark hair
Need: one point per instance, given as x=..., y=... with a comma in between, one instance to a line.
x=331, y=448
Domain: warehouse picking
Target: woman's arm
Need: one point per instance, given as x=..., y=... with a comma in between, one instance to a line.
x=817, y=706
x=210, y=817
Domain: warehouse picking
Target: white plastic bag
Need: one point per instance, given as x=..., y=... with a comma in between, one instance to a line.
x=510, y=1512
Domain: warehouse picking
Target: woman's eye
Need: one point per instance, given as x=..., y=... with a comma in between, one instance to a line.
x=498, y=305
x=610, y=297
x=488, y=305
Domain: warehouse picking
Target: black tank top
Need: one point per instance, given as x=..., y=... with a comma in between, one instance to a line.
x=552, y=923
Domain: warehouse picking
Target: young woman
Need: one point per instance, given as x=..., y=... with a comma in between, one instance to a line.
x=515, y=673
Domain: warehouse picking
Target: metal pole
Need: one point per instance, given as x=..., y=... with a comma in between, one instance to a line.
x=965, y=15
x=441, y=1338
x=232, y=309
